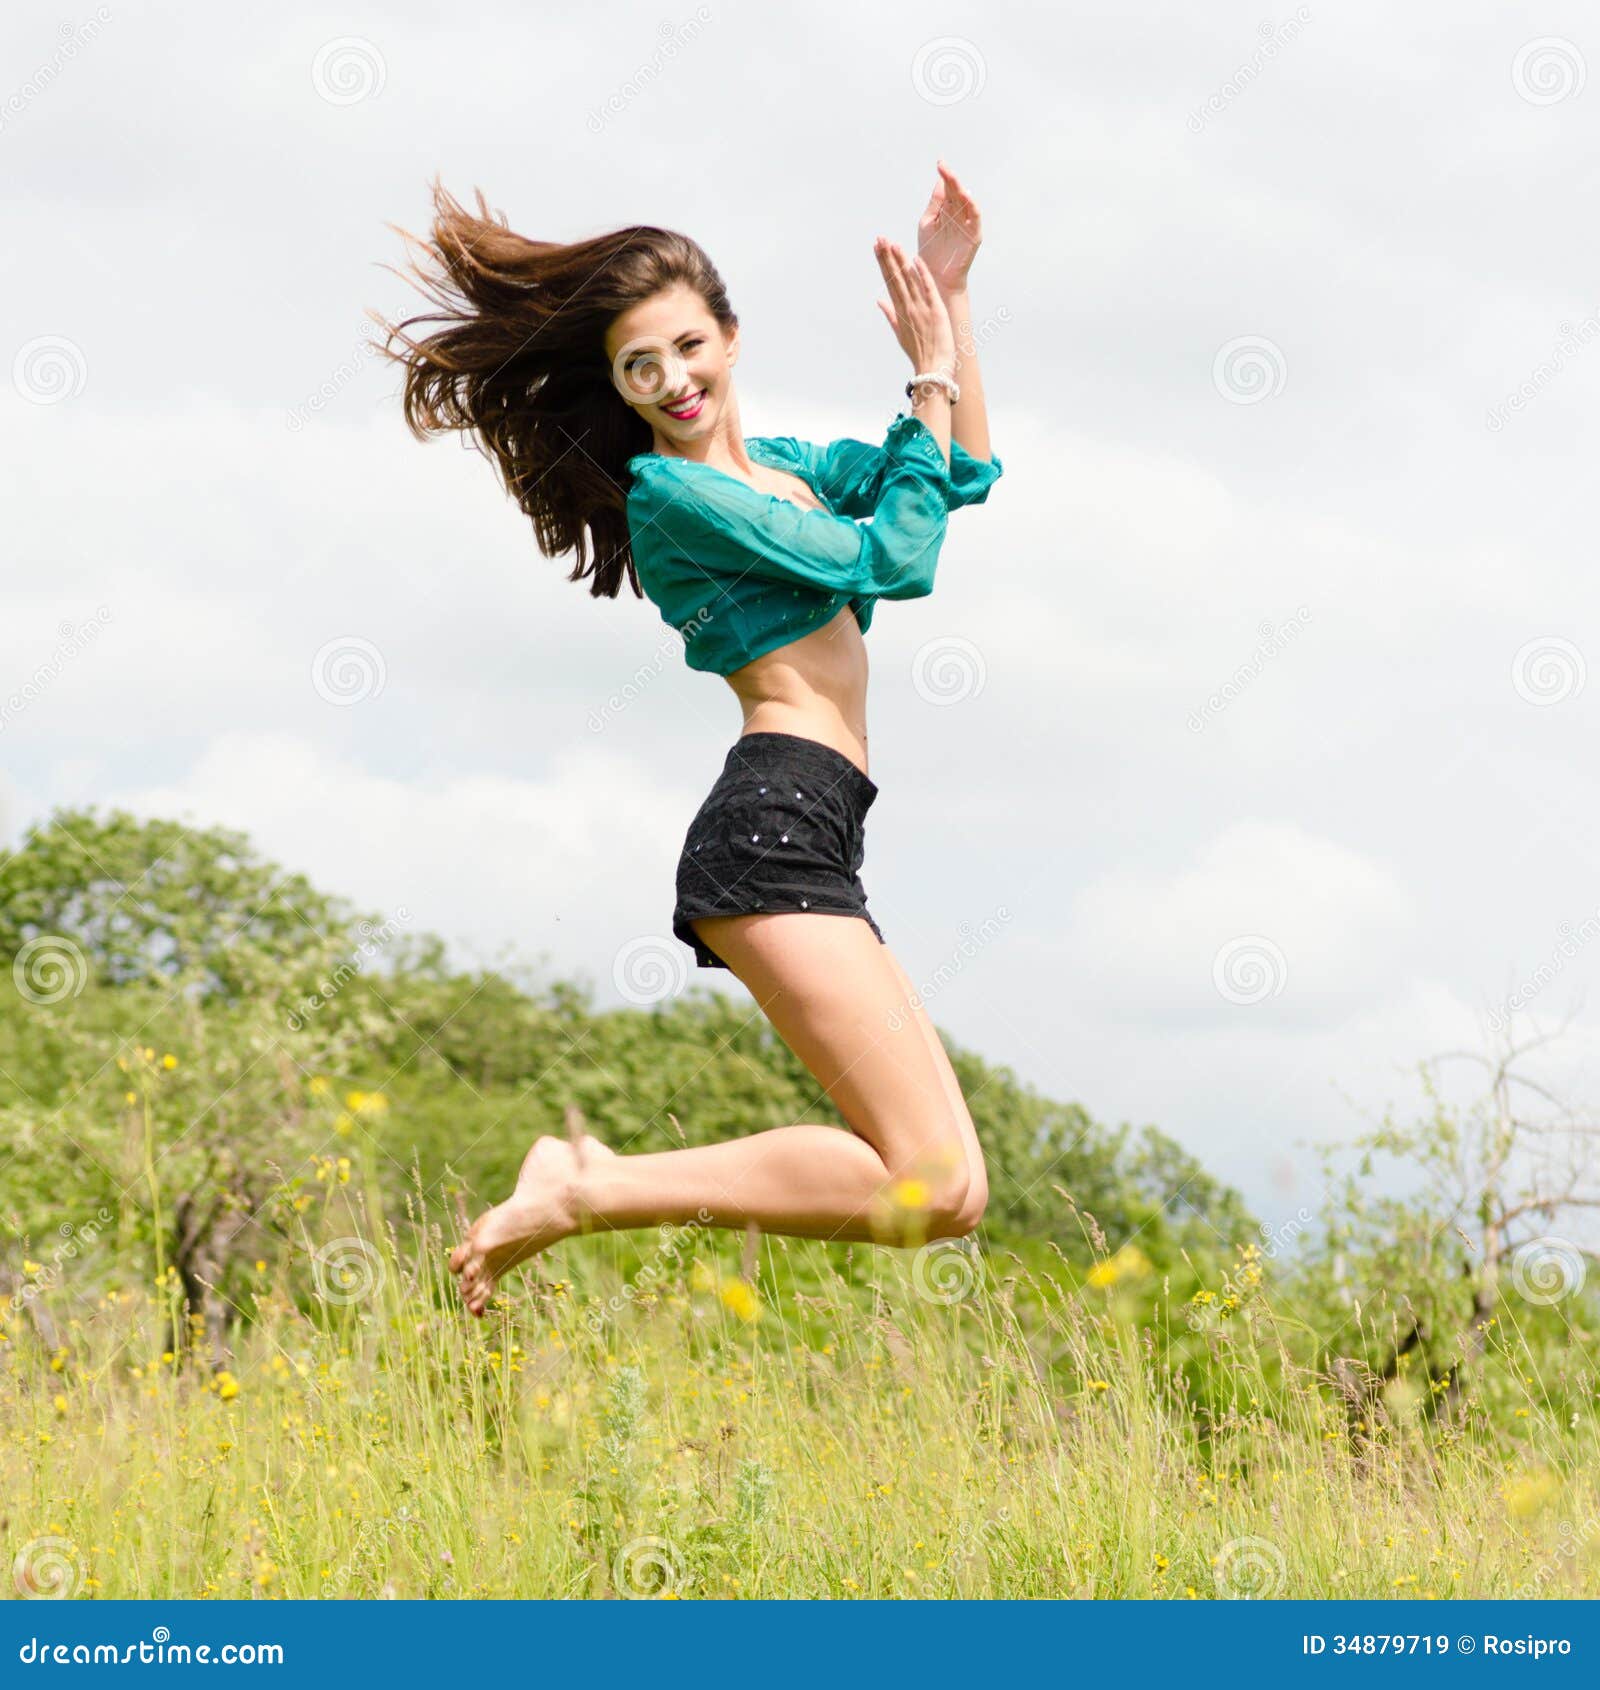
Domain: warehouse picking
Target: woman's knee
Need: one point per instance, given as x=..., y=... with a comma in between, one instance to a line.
x=974, y=1201
x=959, y=1208
x=955, y=1197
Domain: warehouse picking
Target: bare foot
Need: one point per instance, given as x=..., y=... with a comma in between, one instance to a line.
x=540, y=1212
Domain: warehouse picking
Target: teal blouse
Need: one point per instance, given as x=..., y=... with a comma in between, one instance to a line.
x=739, y=573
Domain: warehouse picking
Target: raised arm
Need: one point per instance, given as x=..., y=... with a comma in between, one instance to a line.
x=717, y=524
x=948, y=237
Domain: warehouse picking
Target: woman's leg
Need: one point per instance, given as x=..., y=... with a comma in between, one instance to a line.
x=907, y=1171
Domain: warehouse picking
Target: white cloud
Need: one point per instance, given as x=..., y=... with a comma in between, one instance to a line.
x=1268, y=922
x=577, y=861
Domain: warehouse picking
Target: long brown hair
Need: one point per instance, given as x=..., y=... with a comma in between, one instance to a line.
x=522, y=367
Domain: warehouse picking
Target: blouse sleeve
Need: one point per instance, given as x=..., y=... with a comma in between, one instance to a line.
x=848, y=472
x=726, y=527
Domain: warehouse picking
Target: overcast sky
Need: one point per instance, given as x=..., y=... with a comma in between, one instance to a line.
x=1244, y=753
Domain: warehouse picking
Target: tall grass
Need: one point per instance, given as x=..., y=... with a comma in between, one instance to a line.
x=667, y=1414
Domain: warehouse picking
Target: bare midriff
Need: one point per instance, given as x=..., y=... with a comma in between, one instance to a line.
x=816, y=687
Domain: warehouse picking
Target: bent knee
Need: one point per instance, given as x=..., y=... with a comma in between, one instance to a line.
x=954, y=1190
x=960, y=1216
x=957, y=1205
x=976, y=1202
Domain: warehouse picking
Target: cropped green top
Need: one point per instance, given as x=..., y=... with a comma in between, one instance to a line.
x=739, y=573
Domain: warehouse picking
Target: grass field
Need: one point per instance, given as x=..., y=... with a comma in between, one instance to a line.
x=669, y=1414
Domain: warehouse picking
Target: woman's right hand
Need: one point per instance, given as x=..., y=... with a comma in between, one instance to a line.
x=918, y=314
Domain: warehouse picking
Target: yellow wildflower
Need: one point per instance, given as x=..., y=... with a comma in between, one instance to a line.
x=169, y=1061
x=1528, y=1494
x=227, y=1386
x=738, y=1296
x=911, y=1193
x=1130, y=1262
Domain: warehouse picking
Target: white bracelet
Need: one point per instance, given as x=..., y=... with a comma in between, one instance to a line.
x=933, y=378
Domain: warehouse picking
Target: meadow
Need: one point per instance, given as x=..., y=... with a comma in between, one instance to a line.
x=232, y=1360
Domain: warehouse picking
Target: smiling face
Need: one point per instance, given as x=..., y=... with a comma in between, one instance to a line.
x=672, y=363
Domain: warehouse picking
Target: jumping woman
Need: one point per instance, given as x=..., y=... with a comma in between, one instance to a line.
x=598, y=377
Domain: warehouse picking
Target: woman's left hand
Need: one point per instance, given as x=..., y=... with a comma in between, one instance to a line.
x=950, y=232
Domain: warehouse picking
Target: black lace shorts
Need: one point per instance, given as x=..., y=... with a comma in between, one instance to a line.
x=782, y=830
